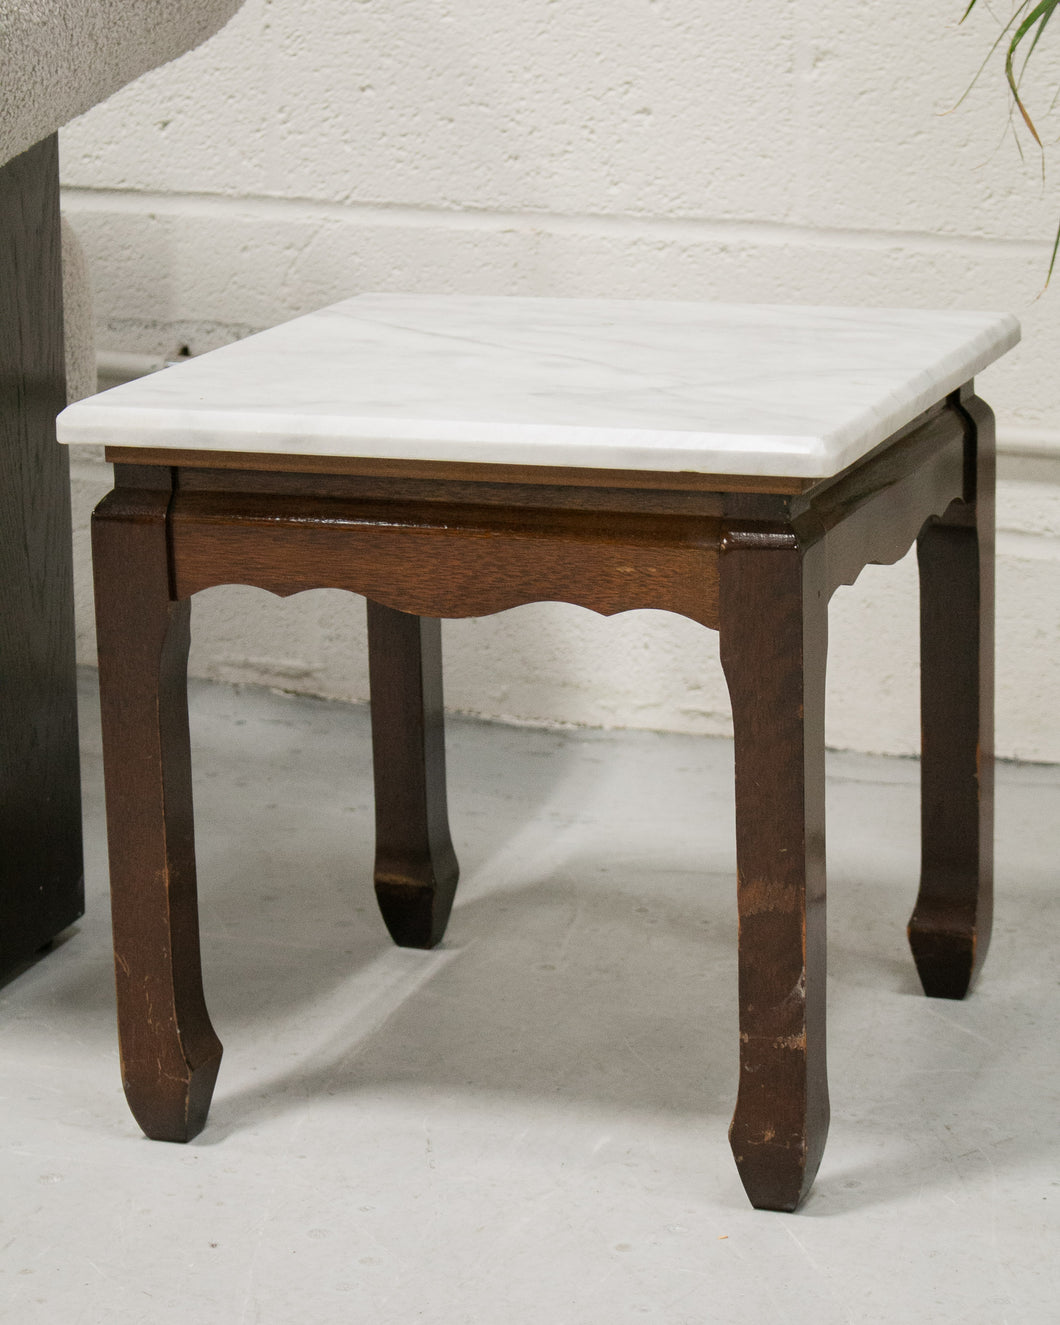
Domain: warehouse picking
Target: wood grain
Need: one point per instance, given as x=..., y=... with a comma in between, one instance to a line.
x=169, y=1051
x=41, y=889
x=453, y=492
x=773, y=648
x=949, y=931
x=458, y=562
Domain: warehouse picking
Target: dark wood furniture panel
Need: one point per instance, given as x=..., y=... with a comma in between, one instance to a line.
x=41, y=889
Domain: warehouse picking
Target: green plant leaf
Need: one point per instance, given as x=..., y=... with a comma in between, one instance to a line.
x=1040, y=15
x=998, y=40
x=1029, y=28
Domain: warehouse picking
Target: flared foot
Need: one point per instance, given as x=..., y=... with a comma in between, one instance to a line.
x=777, y=1175
x=945, y=952
x=175, y=1109
x=416, y=914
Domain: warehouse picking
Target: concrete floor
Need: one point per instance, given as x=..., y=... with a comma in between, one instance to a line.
x=529, y=1124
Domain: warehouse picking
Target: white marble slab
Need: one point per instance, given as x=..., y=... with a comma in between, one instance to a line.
x=616, y=384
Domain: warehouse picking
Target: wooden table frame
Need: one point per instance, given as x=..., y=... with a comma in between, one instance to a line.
x=756, y=559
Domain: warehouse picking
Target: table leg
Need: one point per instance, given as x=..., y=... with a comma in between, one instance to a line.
x=774, y=626
x=416, y=870
x=169, y=1052
x=950, y=928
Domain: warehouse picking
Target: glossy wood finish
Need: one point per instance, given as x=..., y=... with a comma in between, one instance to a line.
x=169, y=1052
x=950, y=928
x=759, y=566
x=41, y=890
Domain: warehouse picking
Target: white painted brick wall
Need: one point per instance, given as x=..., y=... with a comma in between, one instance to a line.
x=778, y=151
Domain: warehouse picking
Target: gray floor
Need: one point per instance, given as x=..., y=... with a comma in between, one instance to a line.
x=529, y=1124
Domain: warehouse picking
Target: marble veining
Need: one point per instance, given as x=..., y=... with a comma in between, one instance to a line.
x=618, y=384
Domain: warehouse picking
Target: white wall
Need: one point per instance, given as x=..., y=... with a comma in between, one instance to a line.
x=770, y=151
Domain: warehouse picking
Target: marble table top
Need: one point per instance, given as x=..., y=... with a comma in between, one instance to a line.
x=616, y=384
